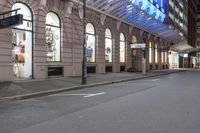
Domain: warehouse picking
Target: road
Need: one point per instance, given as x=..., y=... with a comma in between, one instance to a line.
x=165, y=104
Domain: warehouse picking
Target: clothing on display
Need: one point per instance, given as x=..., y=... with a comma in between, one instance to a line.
x=89, y=54
x=89, y=51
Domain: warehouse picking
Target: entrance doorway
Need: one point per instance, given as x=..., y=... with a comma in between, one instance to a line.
x=22, y=44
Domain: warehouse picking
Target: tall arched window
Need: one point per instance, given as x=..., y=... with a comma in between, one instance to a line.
x=22, y=43
x=53, y=37
x=122, y=48
x=134, y=39
x=162, y=57
x=156, y=53
x=108, y=46
x=166, y=56
x=91, y=45
x=150, y=52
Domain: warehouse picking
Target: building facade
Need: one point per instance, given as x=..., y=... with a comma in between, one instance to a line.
x=198, y=34
x=50, y=41
x=182, y=14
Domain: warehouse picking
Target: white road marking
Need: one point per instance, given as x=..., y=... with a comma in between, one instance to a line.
x=155, y=79
x=92, y=95
x=84, y=95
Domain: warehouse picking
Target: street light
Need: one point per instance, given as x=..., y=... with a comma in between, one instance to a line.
x=84, y=65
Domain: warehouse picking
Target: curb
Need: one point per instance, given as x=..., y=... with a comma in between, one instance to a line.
x=67, y=89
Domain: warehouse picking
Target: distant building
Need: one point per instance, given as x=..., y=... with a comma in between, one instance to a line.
x=198, y=33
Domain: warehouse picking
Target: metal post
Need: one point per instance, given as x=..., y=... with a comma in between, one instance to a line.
x=84, y=67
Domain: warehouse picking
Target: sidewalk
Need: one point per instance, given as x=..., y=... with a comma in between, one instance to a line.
x=28, y=89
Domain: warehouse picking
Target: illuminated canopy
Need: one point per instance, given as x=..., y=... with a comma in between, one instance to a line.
x=148, y=15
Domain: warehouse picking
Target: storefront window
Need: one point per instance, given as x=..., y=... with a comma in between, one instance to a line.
x=162, y=57
x=22, y=43
x=122, y=48
x=150, y=52
x=53, y=37
x=90, y=51
x=156, y=53
x=166, y=56
x=108, y=45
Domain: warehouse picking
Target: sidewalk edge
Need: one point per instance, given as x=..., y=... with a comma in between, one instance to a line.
x=67, y=89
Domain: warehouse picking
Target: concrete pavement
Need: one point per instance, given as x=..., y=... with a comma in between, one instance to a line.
x=29, y=89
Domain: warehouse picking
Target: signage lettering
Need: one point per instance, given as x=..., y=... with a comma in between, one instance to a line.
x=11, y=21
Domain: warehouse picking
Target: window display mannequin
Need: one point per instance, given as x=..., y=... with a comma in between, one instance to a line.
x=89, y=53
x=107, y=56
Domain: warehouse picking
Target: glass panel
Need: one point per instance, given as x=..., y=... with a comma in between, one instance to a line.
x=22, y=44
x=53, y=37
x=122, y=48
x=122, y=37
x=134, y=39
x=27, y=25
x=23, y=10
x=162, y=57
x=90, y=29
x=22, y=53
x=166, y=57
x=52, y=19
x=150, y=52
x=53, y=43
x=108, y=50
x=90, y=51
x=156, y=53
x=122, y=51
x=108, y=45
x=27, y=16
x=108, y=33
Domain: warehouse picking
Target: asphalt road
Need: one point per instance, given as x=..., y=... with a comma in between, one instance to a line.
x=166, y=104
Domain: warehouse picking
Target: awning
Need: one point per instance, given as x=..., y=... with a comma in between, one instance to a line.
x=125, y=11
x=182, y=46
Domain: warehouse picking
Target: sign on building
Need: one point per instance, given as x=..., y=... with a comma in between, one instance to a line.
x=11, y=21
x=138, y=45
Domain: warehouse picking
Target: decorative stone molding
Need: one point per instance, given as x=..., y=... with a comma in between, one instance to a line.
x=141, y=34
x=68, y=8
x=102, y=18
x=149, y=36
x=42, y=3
x=155, y=39
x=118, y=24
x=80, y=11
x=130, y=29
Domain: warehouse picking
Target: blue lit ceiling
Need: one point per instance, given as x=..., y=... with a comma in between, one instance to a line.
x=155, y=8
x=148, y=16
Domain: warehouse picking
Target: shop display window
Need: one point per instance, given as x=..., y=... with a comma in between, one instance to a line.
x=156, y=53
x=166, y=56
x=122, y=48
x=22, y=44
x=53, y=37
x=150, y=52
x=162, y=57
x=108, y=46
x=90, y=50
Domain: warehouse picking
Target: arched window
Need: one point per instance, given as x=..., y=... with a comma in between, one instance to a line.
x=122, y=48
x=150, y=52
x=91, y=45
x=22, y=43
x=53, y=41
x=166, y=56
x=134, y=39
x=156, y=53
x=108, y=46
x=162, y=57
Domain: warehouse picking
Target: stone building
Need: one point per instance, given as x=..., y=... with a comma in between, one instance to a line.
x=50, y=41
